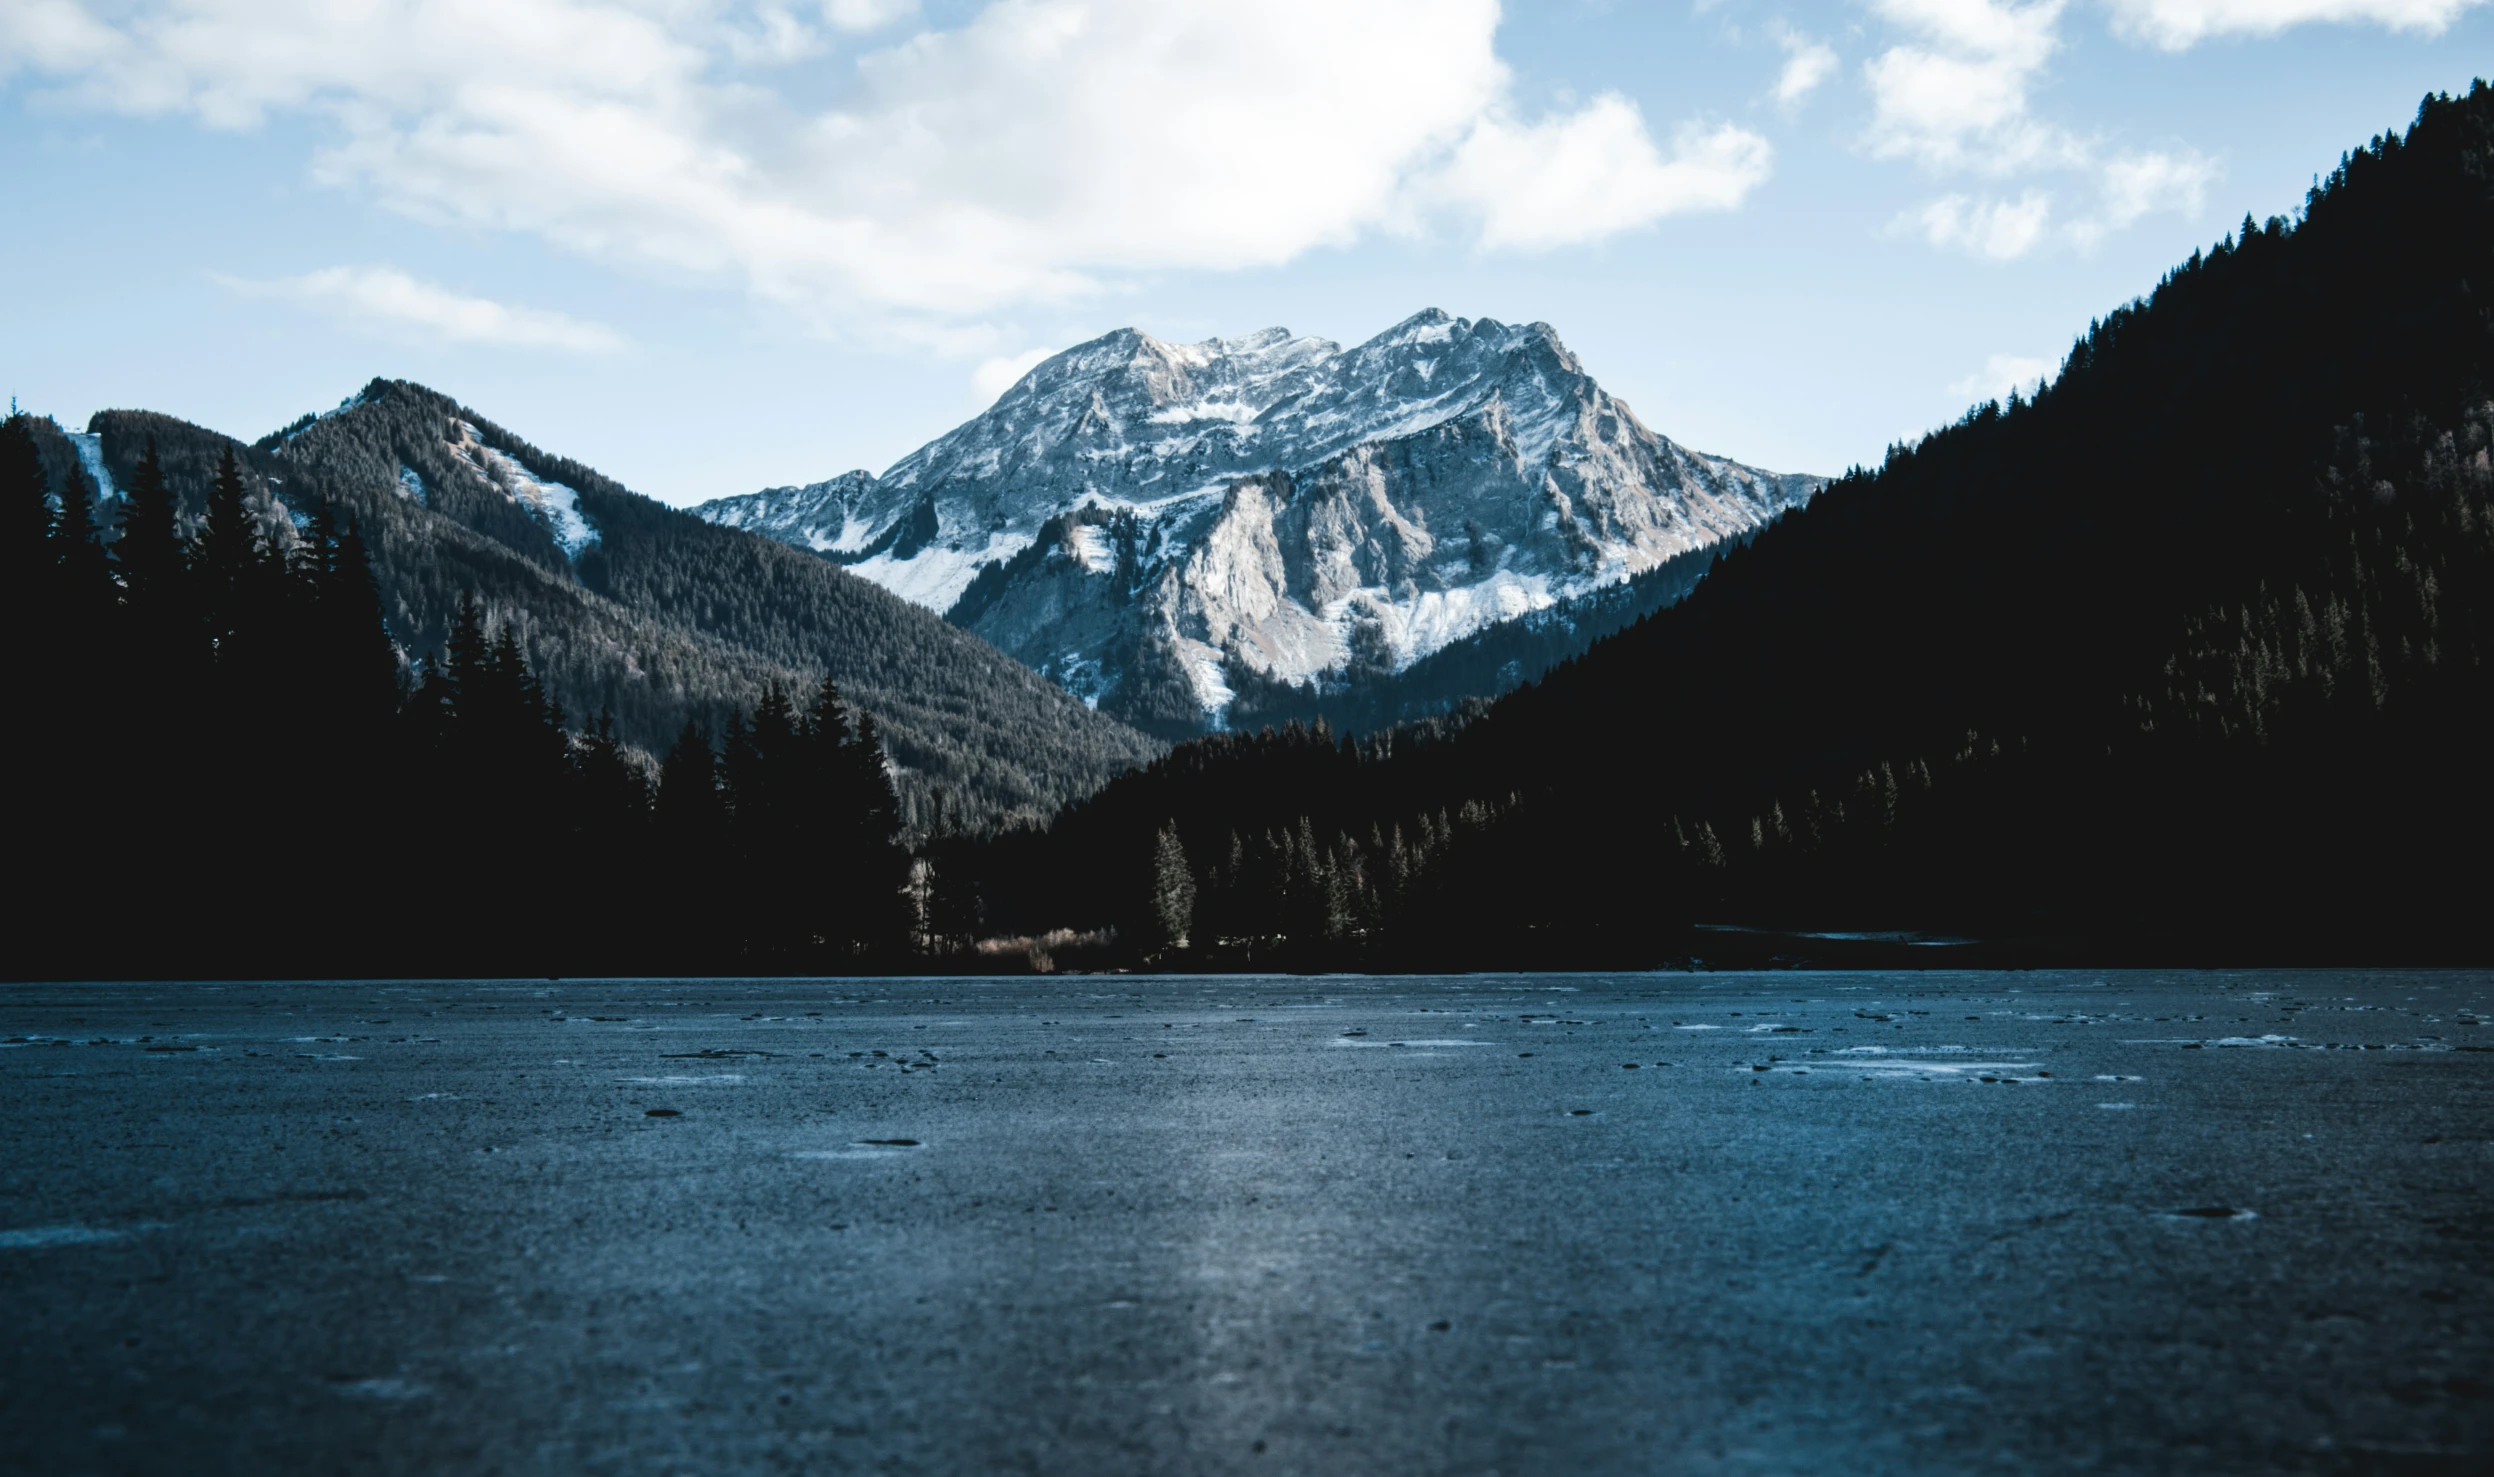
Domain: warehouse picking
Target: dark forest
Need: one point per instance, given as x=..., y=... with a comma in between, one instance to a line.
x=2185, y=658
x=660, y=618
x=234, y=775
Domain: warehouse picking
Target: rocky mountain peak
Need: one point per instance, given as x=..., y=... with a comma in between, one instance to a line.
x=1146, y=520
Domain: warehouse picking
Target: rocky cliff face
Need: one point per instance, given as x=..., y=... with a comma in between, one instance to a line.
x=1147, y=522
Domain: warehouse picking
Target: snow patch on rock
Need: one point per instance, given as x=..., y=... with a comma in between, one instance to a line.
x=936, y=576
x=91, y=461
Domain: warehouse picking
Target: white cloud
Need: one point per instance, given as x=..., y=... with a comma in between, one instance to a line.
x=867, y=15
x=2000, y=374
x=1594, y=173
x=2135, y=185
x=774, y=37
x=1955, y=98
x=1999, y=229
x=1956, y=94
x=2177, y=25
x=1807, y=63
x=995, y=376
x=382, y=297
x=1036, y=151
x=52, y=35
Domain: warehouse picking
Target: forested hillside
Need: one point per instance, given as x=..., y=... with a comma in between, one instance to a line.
x=219, y=768
x=2189, y=652
x=649, y=614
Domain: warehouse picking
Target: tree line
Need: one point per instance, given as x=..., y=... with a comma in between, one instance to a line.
x=661, y=617
x=222, y=765
x=2190, y=654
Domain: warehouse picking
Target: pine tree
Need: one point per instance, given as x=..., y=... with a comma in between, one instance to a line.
x=739, y=790
x=148, y=547
x=523, y=728
x=432, y=703
x=36, y=800
x=878, y=808
x=25, y=517
x=689, y=809
x=828, y=723
x=224, y=556
x=506, y=681
x=465, y=659
x=366, y=670
x=690, y=860
x=768, y=792
x=614, y=793
x=882, y=863
x=953, y=907
x=85, y=569
x=1172, y=914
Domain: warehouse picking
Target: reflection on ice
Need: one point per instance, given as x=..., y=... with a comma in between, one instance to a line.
x=69, y=1235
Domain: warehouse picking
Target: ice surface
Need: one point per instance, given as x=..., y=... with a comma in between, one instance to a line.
x=69, y=1235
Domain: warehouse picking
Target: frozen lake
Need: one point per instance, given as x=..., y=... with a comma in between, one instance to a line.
x=1741, y=1223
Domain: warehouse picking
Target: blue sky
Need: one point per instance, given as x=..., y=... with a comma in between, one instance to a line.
x=708, y=247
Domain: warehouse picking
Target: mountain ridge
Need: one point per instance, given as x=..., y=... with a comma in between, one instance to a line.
x=630, y=606
x=1136, y=518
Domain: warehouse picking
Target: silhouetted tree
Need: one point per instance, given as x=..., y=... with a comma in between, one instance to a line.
x=148, y=546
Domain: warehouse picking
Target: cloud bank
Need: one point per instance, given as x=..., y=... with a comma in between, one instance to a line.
x=848, y=161
x=2177, y=25
x=1953, y=94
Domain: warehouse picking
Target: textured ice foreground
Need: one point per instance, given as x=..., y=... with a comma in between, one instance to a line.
x=1106, y=1225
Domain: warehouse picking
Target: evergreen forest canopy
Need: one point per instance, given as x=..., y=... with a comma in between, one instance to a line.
x=2187, y=655
x=231, y=775
x=658, y=618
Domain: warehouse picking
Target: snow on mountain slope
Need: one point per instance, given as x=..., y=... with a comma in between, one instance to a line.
x=551, y=503
x=1141, y=519
x=91, y=461
x=822, y=517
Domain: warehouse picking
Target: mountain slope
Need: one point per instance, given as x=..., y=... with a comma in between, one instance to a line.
x=1142, y=520
x=2195, y=649
x=633, y=607
x=1465, y=673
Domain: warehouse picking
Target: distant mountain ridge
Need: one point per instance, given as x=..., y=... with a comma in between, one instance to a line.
x=1154, y=525
x=630, y=606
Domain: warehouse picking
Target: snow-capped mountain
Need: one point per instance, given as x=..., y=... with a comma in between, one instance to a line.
x=1149, y=523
